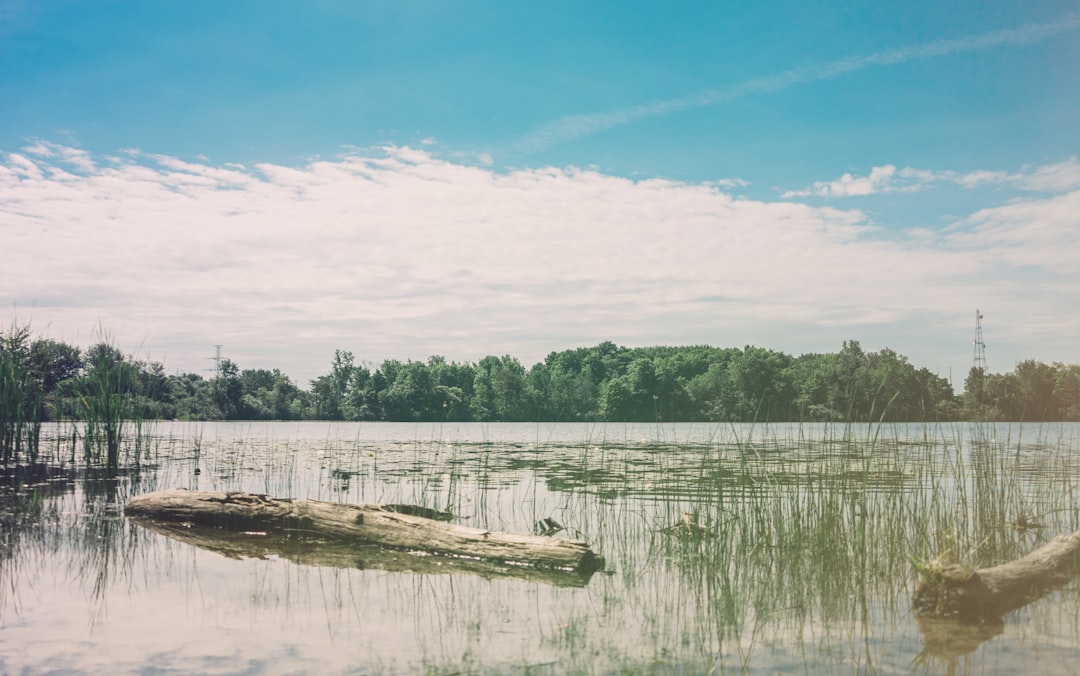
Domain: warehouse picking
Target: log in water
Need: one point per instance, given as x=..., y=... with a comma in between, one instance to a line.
x=952, y=590
x=372, y=524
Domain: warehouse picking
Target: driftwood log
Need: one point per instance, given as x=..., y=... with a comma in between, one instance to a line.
x=362, y=524
x=949, y=590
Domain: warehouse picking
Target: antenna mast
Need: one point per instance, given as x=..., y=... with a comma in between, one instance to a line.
x=217, y=360
x=979, y=360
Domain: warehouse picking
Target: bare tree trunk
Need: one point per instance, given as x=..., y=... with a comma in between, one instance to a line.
x=371, y=524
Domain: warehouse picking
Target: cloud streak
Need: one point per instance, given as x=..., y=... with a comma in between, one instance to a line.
x=1057, y=177
x=571, y=127
x=393, y=252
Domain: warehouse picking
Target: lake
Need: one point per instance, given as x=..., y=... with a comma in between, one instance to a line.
x=801, y=560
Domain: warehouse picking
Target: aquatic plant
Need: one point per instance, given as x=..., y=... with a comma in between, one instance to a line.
x=107, y=399
x=21, y=399
x=730, y=547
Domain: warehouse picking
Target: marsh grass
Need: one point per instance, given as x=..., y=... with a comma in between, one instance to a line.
x=107, y=406
x=21, y=401
x=828, y=540
x=802, y=551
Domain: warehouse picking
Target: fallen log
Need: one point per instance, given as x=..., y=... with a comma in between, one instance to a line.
x=950, y=590
x=368, y=524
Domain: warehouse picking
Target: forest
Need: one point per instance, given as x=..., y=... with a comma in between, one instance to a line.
x=43, y=380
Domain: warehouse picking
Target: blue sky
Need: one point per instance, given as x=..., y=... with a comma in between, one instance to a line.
x=408, y=178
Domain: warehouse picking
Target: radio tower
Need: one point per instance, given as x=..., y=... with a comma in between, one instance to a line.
x=979, y=360
x=217, y=360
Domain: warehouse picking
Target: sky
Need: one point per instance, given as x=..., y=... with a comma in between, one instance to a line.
x=408, y=178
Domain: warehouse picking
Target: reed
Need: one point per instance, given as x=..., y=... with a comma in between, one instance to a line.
x=107, y=399
x=21, y=398
x=797, y=554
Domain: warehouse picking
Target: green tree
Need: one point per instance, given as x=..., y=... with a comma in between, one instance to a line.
x=761, y=389
x=227, y=391
x=711, y=393
x=363, y=396
x=192, y=396
x=411, y=395
x=270, y=395
x=54, y=362
x=975, y=400
x=938, y=401
x=649, y=391
x=1037, y=383
x=500, y=391
x=631, y=396
x=452, y=389
x=1067, y=391
x=567, y=384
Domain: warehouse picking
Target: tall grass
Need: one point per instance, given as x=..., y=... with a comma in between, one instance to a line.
x=108, y=400
x=106, y=397
x=802, y=558
x=812, y=537
x=21, y=399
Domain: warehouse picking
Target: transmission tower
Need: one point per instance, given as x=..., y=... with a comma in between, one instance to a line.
x=217, y=359
x=979, y=360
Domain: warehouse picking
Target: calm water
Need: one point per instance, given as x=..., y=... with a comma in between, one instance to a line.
x=806, y=568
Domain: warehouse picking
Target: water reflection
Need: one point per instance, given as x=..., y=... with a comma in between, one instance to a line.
x=331, y=554
x=807, y=565
x=948, y=641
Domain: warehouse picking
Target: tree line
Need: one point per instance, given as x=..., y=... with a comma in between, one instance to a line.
x=43, y=379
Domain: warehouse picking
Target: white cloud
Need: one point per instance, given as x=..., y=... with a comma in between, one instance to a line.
x=1058, y=177
x=880, y=179
x=1036, y=235
x=75, y=157
x=22, y=166
x=395, y=253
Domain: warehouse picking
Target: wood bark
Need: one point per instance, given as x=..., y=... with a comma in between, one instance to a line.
x=369, y=524
x=950, y=590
